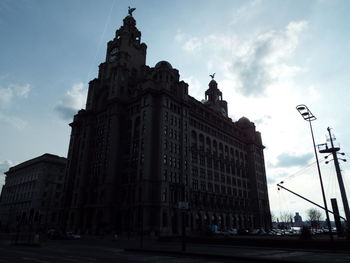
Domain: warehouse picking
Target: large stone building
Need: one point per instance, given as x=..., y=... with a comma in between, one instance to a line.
x=32, y=194
x=143, y=144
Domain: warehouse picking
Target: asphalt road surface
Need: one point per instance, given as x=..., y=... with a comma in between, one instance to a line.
x=82, y=251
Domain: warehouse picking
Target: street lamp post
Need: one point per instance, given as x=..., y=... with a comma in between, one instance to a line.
x=308, y=116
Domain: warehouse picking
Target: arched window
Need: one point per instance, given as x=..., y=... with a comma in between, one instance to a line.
x=201, y=142
x=194, y=139
x=137, y=127
x=208, y=143
x=215, y=147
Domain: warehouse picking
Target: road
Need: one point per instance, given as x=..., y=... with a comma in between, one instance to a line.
x=113, y=250
x=86, y=251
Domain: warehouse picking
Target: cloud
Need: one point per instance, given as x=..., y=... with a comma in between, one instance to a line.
x=193, y=44
x=262, y=60
x=73, y=100
x=9, y=94
x=196, y=89
x=262, y=120
x=4, y=167
x=189, y=44
x=289, y=160
x=12, y=91
x=253, y=64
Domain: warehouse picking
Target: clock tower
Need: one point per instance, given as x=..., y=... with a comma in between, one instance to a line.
x=126, y=48
x=123, y=68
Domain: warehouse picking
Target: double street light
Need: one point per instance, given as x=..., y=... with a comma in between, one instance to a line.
x=308, y=116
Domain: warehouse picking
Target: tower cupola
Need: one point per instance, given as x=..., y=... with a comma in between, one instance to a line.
x=213, y=97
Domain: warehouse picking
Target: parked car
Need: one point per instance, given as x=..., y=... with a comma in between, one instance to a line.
x=258, y=232
x=232, y=231
x=70, y=235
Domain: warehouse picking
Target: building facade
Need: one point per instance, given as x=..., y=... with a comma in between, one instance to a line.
x=143, y=144
x=32, y=194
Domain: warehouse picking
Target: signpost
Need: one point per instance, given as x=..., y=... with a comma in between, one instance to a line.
x=183, y=206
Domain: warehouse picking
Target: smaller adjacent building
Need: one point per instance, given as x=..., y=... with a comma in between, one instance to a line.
x=298, y=221
x=32, y=194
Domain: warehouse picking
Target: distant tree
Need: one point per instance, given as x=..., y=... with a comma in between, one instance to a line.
x=273, y=217
x=286, y=218
x=314, y=217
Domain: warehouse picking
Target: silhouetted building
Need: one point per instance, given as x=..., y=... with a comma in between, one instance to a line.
x=143, y=144
x=298, y=221
x=32, y=193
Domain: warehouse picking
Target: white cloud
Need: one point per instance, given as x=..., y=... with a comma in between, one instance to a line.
x=73, y=100
x=252, y=64
x=196, y=89
x=8, y=95
x=263, y=60
x=193, y=44
x=4, y=166
x=12, y=91
x=179, y=37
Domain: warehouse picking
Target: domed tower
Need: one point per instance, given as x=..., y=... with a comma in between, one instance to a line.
x=213, y=97
x=126, y=48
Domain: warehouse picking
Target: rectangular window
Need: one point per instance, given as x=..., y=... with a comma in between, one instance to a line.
x=195, y=184
x=202, y=173
x=210, y=187
x=216, y=177
x=194, y=171
x=165, y=219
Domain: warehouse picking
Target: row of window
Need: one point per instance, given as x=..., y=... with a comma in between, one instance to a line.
x=21, y=178
x=171, y=161
x=216, y=188
x=172, y=147
x=17, y=197
x=173, y=120
x=211, y=145
x=171, y=133
x=224, y=167
x=218, y=177
x=214, y=132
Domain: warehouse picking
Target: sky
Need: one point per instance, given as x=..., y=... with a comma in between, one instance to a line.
x=268, y=55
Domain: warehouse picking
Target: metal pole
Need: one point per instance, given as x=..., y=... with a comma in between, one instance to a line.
x=141, y=225
x=322, y=188
x=340, y=179
x=308, y=200
x=183, y=232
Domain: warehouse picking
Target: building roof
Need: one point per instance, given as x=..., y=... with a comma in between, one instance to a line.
x=46, y=157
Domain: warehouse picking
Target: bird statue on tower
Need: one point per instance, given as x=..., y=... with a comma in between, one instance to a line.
x=130, y=10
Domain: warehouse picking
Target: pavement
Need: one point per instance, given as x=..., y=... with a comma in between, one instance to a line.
x=149, y=248
x=246, y=253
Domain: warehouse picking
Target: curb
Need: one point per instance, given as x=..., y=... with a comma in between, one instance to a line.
x=213, y=256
